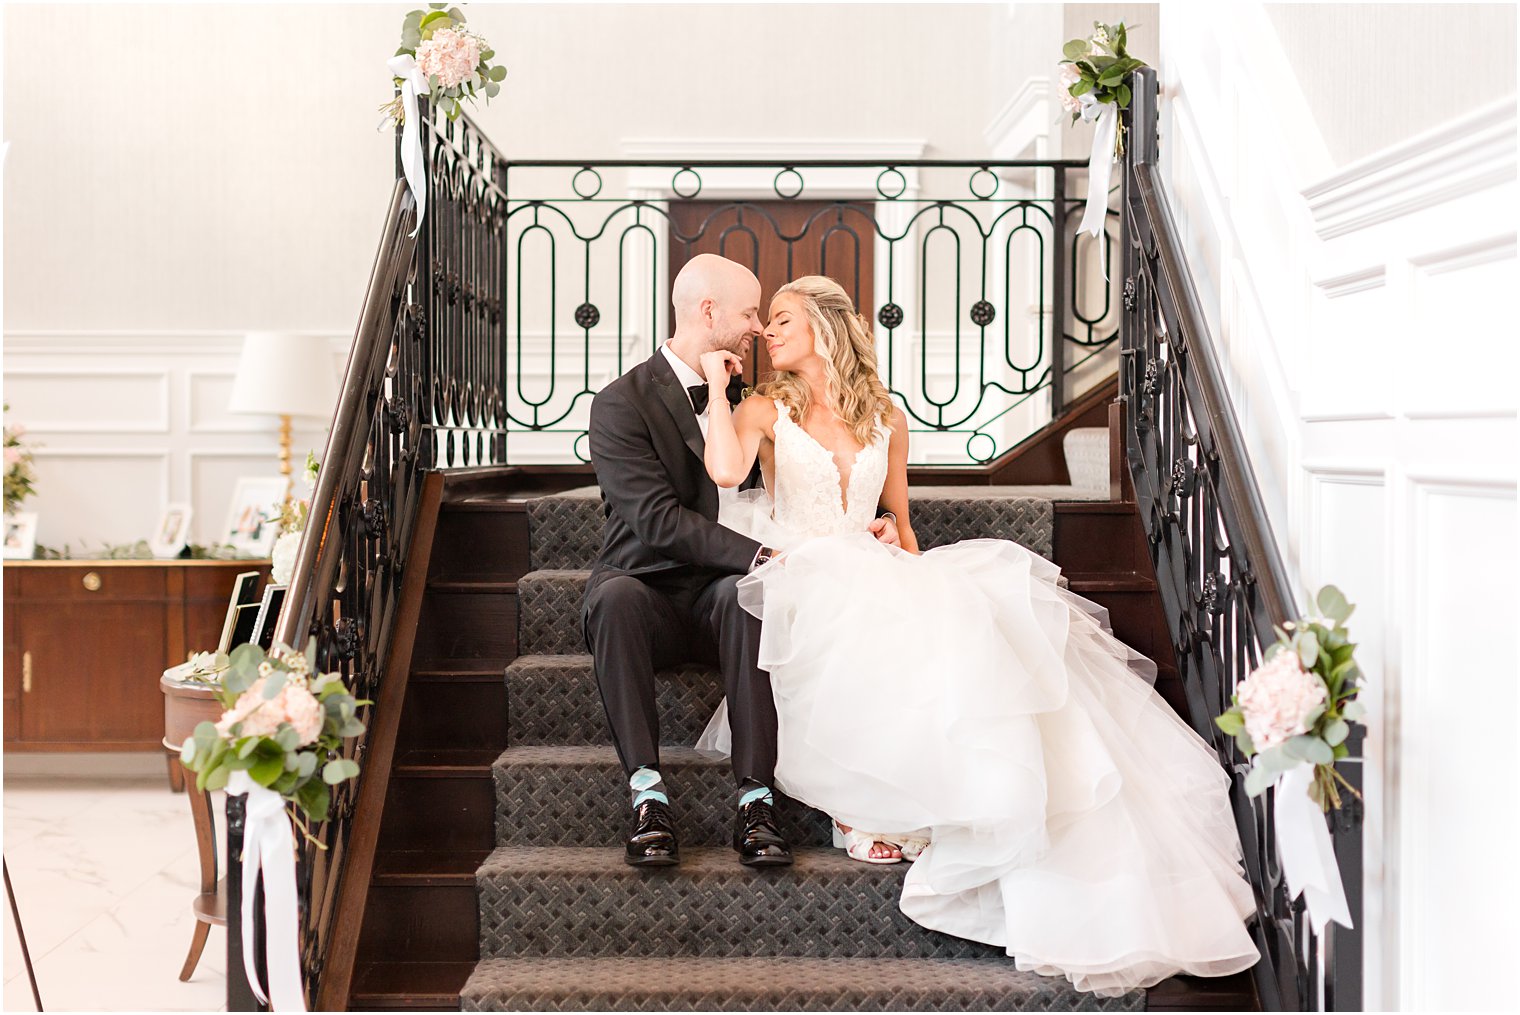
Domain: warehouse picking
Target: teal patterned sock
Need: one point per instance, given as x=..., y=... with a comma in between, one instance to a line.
x=753, y=790
x=647, y=785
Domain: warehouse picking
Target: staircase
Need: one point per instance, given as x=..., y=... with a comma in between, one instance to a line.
x=499, y=883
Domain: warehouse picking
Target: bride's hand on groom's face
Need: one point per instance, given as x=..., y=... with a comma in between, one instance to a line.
x=719, y=365
x=885, y=531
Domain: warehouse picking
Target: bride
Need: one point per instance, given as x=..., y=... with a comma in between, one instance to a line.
x=957, y=703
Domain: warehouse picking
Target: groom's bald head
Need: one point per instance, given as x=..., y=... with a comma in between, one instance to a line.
x=717, y=299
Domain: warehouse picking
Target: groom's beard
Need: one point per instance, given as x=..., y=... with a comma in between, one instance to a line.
x=738, y=344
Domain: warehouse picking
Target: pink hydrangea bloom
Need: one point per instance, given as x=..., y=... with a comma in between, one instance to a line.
x=451, y=55
x=1069, y=75
x=294, y=704
x=12, y=456
x=1276, y=698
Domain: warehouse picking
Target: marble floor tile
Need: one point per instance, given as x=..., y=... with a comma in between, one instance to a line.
x=104, y=871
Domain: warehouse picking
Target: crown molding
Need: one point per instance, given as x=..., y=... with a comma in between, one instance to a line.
x=1473, y=153
x=135, y=342
x=1024, y=119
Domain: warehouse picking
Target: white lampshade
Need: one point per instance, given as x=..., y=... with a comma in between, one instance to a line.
x=284, y=375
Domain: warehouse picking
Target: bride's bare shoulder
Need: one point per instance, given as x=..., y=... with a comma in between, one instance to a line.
x=758, y=411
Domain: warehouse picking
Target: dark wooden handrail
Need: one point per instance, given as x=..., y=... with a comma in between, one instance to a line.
x=1221, y=576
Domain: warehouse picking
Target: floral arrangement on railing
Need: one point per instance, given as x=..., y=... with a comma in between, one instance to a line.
x=283, y=721
x=1292, y=715
x=448, y=63
x=1095, y=86
x=20, y=476
x=292, y=521
x=278, y=743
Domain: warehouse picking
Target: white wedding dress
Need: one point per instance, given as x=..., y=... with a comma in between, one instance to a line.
x=1075, y=820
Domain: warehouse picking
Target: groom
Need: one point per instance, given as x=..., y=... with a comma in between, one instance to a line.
x=663, y=590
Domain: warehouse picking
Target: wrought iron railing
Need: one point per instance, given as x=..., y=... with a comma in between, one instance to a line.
x=422, y=391
x=1222, y=582
x=968, y=270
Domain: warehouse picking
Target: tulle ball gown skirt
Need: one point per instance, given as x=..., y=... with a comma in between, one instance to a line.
x=1075, y=820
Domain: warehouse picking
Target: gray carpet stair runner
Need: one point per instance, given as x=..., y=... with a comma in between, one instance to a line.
x=565, y=925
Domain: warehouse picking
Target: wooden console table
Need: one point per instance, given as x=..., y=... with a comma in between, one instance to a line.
x=86, y=642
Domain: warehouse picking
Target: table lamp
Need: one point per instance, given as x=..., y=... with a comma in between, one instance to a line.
x=284, y=375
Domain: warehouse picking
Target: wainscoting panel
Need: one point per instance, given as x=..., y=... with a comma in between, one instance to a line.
x=123, y=423
x=1362, y=311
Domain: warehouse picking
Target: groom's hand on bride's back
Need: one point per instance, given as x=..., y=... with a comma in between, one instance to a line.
x=885, y=531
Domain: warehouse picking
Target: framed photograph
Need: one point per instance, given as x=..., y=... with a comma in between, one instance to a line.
x=245, y=596
x=21, y=535
x=269, y=615
x=252, y=523
x=173, y=531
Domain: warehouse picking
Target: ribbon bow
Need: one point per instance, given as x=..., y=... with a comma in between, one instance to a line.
x=269, y=846
x=698, y=393
x=413, y=84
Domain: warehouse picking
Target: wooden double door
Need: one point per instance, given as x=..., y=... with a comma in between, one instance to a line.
x=780, y=241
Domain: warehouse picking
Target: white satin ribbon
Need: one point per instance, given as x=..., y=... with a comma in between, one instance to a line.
x=413, y=84
x=1099, y=167
x=269, y=845
x=1308, y=857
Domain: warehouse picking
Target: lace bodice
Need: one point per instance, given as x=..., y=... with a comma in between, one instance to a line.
x=806, y=484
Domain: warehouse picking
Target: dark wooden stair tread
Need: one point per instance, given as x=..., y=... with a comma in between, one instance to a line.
x=446, y=762
x=487, y=583
x=1110, y=581
x=429, y=867
x=413, y=986
x=456, y=673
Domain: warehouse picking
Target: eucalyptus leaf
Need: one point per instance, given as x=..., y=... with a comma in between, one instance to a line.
x=1314, y=716
x=247, y=747
x=287, y=737
x=274, y=684
x=1336, y=731
x=1231, y=722
x=205, y=733
x=337, y=770
x=351, y=728
x=1277, y=759
x=1308, y=649
x=187, y=752
x=1076, y=49
x=215, y=779
x=1311, y=749
x=306, y=764
x=492, y=89
x=1354, y=711
x=456, y=14
x=498, y=73
x=1258, y=780
x=1332, y=603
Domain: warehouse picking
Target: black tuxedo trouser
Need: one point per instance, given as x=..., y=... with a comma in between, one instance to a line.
x=636, y=625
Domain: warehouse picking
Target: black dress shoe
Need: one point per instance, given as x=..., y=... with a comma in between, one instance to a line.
x=653, y=842
x=756, y=838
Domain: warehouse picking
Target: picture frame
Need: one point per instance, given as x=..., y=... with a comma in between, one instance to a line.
x=21, y=535
x=245, y=597
x=173, y=530
x=252, y=517
x=268, y=616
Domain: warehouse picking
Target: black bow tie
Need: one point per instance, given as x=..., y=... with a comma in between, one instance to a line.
x=698, y=393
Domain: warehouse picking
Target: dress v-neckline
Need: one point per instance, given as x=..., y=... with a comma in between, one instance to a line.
x=843, y=483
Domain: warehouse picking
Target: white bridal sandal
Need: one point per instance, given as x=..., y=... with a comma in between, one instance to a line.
x=857, y=845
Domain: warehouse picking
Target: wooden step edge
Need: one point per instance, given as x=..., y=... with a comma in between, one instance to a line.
x=1094, y=507
x=465, y=763
x=489, y=586
x=409, y=986
x=457, y=676
x=428, y=868
x=1110, y=581
x=485, y=505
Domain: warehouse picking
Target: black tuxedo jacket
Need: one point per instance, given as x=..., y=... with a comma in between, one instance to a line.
x=661, y=506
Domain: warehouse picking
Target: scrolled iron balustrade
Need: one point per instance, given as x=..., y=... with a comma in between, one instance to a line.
x=1222, y=582
x=423, y=390
x=964, y=332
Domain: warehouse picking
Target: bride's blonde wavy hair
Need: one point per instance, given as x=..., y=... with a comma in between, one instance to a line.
x=843, y=339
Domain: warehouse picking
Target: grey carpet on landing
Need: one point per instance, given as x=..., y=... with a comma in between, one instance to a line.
x=565, y=925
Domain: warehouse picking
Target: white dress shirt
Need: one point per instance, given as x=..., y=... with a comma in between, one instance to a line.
x=687, y=377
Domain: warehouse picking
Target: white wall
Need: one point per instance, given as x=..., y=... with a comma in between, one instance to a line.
x=227, y=176
x=1362, y=309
